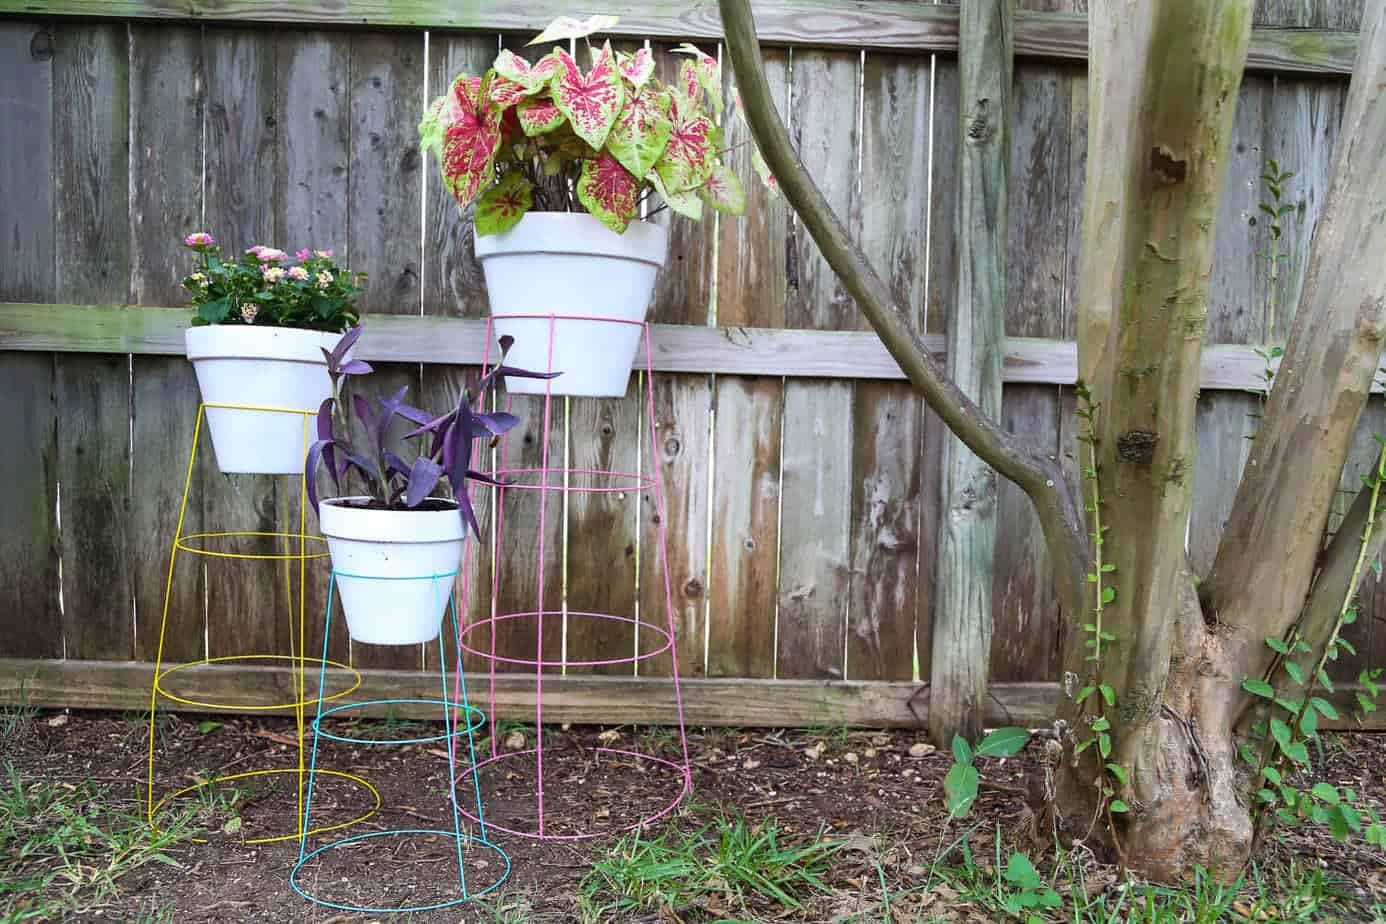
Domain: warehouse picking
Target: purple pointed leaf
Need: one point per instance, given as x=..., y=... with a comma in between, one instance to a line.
x=394, y=463
x=310, y=470
x=473, y=475
x=356, y=367
x=325, y=419
x=432, y=425
x=364, y=412
x=495, y=424
x=348, y=341
x=423, y=478
x=464, y=507
x=414, y=414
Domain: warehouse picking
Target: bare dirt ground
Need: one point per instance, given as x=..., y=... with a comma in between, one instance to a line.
x=877, y=794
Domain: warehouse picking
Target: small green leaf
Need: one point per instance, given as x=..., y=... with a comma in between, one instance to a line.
x=1259, y=687
x=1102, y=724
x=1295, y=671
x=1108, y=693
x=1120, y=807
x=1298, y=753
x=207, y=726
x=1278, y=646
x=1108, y=594
x=1272, y=774
x=1325, y=681
x=1288, y=705
x=1118, y=772
x=1104, y=745
x=1084, y=694
x=1280, y=732
x=1309, y=723
x=1325, y=708
x=1267, y=797
x=960, y=789
x=1003, y=742
x=1108, y=568
x=962, y=751
x=1326, y=792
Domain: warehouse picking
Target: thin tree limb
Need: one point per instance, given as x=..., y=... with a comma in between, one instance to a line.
x=1036, y=473
x=1270, y=547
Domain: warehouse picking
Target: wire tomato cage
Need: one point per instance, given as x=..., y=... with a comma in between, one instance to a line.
x=563, y=804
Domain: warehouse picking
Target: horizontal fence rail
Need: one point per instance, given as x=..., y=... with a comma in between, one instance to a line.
x=723, y=702
x=145, y=331
x=883, y=25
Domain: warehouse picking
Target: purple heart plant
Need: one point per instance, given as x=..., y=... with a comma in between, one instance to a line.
x=383, y=468
x=611, y=136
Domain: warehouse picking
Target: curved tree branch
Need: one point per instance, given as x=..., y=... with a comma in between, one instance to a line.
x=1039, y=475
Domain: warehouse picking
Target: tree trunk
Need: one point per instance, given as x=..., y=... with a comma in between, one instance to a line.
x=1163, y=81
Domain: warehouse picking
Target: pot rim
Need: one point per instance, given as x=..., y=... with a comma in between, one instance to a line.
x=395, y=527
x=262, y=344
x=576, y=234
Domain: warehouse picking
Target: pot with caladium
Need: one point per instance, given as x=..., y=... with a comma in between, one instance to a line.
x=394, y=541
x=559, y=163
x=260, y=328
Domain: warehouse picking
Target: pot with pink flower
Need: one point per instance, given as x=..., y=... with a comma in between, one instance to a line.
x=559, y=164
x=259, y=338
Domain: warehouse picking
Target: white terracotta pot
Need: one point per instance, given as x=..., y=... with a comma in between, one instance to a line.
x=387, y=564
x=569, y=263
x=272, y=367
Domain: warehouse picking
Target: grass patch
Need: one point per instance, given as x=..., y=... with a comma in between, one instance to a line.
x=64, y=850
x=728, y=864
x=15, y=720
x=1007, y=887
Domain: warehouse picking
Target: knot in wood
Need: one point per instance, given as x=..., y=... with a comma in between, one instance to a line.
x=1137, y=446
x=1167, y=168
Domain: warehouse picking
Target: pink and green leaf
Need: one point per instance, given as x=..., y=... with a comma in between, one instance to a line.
x=723, y=191
x=609, y=192
x=539, y=115
x=685, y=203
x=534, y=76
x=687, y=159
x=641, y=132
x=590, y=101
x=568, y=27
x=502, y=206
x=638, y=68
x=464, y=131
x=703, y=72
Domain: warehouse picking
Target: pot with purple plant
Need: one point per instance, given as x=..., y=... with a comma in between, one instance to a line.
x=396, y=543
x=257, y=340
x=559, y=165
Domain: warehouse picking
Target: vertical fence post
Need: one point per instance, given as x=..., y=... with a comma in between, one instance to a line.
x=962, y=618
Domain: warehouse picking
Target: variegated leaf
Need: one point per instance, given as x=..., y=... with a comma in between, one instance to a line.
x=685, y=203
x=567, y=27
x=538, y=115
x=706, y=73
x=723, y=191
x=609, y=192
x=590, y=101
x=504, y=204
x=464, y=132
x=641, y=131
x=638, y=68
x=687, y=158
x=534, y=76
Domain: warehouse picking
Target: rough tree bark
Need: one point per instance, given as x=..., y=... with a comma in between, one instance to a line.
x=1164, y=79
x=976, y=334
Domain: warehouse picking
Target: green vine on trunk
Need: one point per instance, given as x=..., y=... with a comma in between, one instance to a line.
x=1274, y=206
x=1095, y=715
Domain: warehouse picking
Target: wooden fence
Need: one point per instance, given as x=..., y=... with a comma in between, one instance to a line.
x=801, y=470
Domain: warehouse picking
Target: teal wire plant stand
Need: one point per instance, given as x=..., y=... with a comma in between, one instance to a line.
x=460, y=721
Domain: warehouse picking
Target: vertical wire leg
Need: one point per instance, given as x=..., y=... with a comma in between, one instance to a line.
x=664, y=560
x=163, y=621
x=449, y=724
x=317, y=720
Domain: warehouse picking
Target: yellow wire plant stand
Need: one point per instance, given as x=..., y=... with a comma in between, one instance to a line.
x=293, y=547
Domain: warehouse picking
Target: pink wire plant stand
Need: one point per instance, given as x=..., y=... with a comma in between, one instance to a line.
x=478, y=638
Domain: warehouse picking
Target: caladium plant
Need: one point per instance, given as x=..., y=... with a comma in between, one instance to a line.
x=612, y=134
x=393, y=477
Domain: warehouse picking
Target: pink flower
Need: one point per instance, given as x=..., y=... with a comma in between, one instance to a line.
x=273, y=273
x=248, y=313
x=267, y=254
x=302, y=255
x=324, y=279
x=298, y=272
x=200, y=239
x=325, y=254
